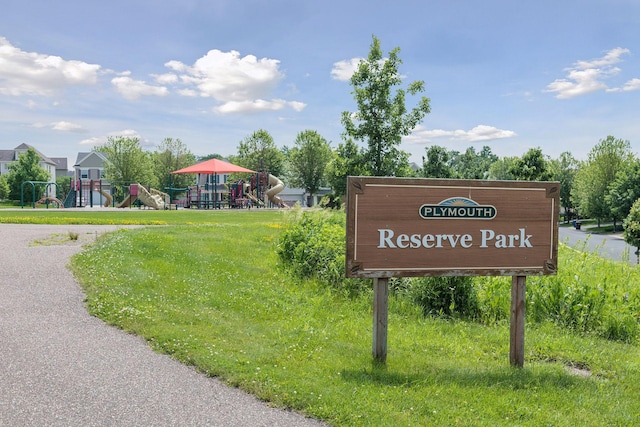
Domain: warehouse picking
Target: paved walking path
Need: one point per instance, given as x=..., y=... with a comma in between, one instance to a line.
x=61, y=367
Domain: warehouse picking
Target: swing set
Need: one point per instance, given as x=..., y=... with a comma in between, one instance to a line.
x=44, y=199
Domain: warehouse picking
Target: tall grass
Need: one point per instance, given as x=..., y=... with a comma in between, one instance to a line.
x=589, y=295
x=213, y=296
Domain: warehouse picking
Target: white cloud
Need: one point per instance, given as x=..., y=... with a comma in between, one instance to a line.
x=165, y=79
x=188, y=92
x=257, y=106
x=633, y=84
x=96, y=140
x=60, y=126
x=126, y=133
x=67, y=127
x=134, y=89
x=343, y=70
x=30, y=73
x=586, y=77
x=240, y=84
x=478, y=134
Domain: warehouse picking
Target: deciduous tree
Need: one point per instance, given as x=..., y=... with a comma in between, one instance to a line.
x=127, y=163
x=564, y=169
x=473, y=165
x=26, y=168
x=258, y=152
x=382, y=118
x=531, y=167
x=308, y=161
x=631, y=226
x=624, y=190
x=347, y=161
x=436, y=163
x=501, y=168
x=171, y=155
x=592, y=181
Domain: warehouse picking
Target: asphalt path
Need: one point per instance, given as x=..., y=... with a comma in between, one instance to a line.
x=59, y=366
x=610, y=246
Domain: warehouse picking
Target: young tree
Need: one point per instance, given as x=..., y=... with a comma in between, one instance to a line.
x=592, y=181
x=382, y=118
x=258, y=152
x=308, y=161
x=171, y=155
x=127, y=162
x=26, y=168
x=436, y=163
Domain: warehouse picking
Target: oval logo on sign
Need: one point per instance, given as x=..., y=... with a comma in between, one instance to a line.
x=457, y=208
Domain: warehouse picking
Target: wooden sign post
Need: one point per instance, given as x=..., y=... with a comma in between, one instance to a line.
x=400, y=227
x=380, y=318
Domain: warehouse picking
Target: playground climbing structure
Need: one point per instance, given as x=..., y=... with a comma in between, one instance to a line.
x=260, y=190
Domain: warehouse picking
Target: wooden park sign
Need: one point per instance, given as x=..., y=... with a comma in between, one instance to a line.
x=443, y=227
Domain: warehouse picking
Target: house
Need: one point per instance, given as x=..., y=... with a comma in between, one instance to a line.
x=48, y=164
x=9, y=156
x=89, y=166
x=62, y=168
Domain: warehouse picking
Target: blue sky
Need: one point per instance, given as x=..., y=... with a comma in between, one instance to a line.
x=560, y=75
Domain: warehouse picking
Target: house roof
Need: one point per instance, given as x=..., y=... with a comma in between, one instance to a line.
x=7, y=155
x=12, y=155
x=83, y=157
x=61, y=163
x=42, y=156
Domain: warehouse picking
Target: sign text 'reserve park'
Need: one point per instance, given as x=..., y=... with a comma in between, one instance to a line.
x=433, y=227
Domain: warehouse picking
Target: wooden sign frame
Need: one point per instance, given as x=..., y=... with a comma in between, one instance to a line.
x=435, y=227
x=443, y=227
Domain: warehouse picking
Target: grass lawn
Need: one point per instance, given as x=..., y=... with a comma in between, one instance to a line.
x=208, y=291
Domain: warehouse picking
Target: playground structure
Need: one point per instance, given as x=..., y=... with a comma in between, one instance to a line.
x=151, y=198
x=215, y=194
x=272, y=193
x=88, y=193
x=50, y=200
x=48, y=196
x=91, y=193
x=260, y=189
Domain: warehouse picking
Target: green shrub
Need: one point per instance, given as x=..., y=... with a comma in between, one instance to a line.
x=444, y=296
x=312, y=245
x=331, y=201
x=494, y=298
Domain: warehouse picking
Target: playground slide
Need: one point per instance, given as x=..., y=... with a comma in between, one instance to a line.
x=128, y=201
x=276, y=187
x=254, y=200
x=108, y=198
x=154, y=201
